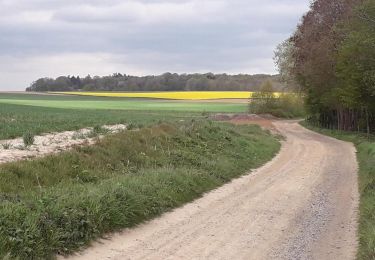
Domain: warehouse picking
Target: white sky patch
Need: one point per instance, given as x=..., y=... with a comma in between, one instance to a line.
x=49, y=38
x=26, y=17
x=145, y=13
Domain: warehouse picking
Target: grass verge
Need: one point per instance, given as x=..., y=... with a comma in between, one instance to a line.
x=366, y=159
x=57, y=204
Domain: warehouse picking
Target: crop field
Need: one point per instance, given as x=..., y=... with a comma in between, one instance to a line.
x=20, y=113
x=174, y=95
x=16, y=120
x=111, y=103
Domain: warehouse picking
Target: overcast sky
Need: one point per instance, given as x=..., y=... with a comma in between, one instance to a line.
x=49, y=38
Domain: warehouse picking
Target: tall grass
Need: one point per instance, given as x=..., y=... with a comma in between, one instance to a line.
x=57, y=204
x=366, y=159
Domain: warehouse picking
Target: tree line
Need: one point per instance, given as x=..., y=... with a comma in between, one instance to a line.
x=331, y=58
x=164, y=82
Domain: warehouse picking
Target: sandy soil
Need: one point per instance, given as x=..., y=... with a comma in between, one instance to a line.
x=301, y=205
x=14, y=149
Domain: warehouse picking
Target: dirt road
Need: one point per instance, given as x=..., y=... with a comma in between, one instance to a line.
x=301, y=205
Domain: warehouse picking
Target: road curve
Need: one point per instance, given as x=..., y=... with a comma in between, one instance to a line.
x=301, y=205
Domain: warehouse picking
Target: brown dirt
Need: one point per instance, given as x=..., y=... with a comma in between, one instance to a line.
x=301, y=205
x=264, y=121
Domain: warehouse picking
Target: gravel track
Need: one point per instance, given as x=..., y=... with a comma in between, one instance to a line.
x=301, y=205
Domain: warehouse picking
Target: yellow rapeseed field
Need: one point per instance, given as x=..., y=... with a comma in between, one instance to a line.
x=188, y=95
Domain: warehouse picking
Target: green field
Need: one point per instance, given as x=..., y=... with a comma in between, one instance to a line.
x=20, y=113
x=15, y=120
x=83, y=102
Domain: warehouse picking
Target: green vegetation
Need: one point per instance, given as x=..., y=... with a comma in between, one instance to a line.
x=134, y=105
x=61, y=202
x=366, y=158
x=287, y=105
x=21, y=113
x=331, y=56
x=103, y=103
x=98, y=130
x=16, y=120
x=28, y=139
x=164, y=82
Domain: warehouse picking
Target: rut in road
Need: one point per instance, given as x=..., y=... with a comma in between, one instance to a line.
x=301, y=205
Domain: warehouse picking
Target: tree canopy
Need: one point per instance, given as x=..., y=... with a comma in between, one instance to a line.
x=164, y=82
x=331, y=56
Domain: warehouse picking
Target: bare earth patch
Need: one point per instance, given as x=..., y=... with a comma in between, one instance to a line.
x=14, y=149
x=264, y=121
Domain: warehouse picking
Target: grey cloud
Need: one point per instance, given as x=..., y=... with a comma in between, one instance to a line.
x=141, y=36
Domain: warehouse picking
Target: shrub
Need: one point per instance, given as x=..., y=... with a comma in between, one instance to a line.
x=287, y=105
x=28, y=139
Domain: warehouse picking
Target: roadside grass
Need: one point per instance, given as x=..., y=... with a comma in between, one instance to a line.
x=58, y=204
x=16, y=120
x=366, y=159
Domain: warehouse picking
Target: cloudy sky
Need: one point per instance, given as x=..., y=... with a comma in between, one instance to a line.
x=48, y=38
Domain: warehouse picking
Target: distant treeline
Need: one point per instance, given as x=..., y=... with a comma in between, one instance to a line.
x=332, y=57
x=164, y=82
